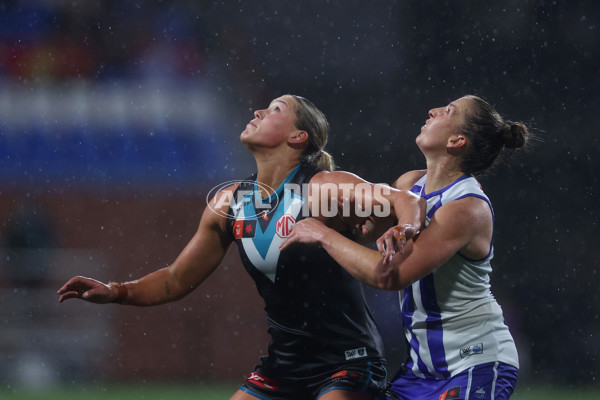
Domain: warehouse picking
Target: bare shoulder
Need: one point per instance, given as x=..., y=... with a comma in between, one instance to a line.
x=466, y=225
x=407, y=180
x=335, y=177
x=470, y=212
x=218, y=206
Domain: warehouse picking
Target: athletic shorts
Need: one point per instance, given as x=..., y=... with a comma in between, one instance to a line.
x=492, y=381
x=371, y=380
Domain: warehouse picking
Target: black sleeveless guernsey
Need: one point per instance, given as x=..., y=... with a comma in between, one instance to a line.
x=317, y=314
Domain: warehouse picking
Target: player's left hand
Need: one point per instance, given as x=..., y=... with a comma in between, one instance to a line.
x=394, y=240
x=88, y=289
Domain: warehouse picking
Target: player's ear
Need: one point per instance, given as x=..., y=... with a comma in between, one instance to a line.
x=456, y=141
x=297, y=138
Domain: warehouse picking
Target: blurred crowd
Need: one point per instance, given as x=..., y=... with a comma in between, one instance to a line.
x=125, y=76
x=56, y=40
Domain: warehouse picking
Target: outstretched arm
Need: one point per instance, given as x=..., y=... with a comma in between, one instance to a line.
x=197, y=261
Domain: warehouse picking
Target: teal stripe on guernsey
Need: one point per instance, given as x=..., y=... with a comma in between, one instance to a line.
x=282, y=198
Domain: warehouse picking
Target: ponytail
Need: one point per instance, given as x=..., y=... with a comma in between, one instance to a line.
x=323, y=159
x=310, y=119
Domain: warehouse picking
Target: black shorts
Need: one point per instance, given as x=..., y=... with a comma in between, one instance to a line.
x=366, y=378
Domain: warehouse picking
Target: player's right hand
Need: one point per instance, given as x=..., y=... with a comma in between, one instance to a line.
x=88, y=289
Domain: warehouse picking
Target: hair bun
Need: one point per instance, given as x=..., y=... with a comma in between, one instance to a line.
x=514, y=134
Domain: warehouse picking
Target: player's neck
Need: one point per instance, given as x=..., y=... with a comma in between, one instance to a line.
x=440, y=175
x=271, y=173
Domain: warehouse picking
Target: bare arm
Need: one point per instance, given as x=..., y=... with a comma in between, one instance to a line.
x=378, y=200
x=462, y=225
x=373, y=228
x=195, y=263
x=355, y=258
x=407, y=180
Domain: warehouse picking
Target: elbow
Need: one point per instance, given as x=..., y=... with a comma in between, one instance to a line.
x=388, y=280
x=391, y=276
x=384, y=285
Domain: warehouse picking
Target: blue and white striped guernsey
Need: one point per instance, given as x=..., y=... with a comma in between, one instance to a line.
x=451, y=319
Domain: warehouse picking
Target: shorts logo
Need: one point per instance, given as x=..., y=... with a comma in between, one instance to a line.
x=355, y=353
x=343, y=374
x=470, y=350
x=452, y=393
x=284, y=225
x=262, y=381
x=480, y=393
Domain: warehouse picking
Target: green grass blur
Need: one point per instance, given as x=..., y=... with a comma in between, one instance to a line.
x=165, y=391
x=176, y=391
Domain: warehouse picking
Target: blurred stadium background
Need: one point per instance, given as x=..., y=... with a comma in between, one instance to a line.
x=117, y=117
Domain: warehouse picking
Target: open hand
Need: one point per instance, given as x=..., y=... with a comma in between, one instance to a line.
x=88, y=289
x=308, y=231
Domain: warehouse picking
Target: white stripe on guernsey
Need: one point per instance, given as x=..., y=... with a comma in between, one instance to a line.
x=469, y=383
x=420, y=318
x=413, y=356
x=495, y=379
x=268, y=265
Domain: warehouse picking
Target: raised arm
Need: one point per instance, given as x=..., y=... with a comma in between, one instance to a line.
x=368, y=199
x=195, y=263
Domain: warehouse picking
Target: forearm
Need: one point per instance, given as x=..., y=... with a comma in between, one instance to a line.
x=158, y=287
x=358, y=260
x=195, y=263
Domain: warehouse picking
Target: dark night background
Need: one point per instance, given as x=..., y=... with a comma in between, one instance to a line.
x=109, y=99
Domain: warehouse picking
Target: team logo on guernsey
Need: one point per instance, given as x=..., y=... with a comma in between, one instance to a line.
x=452, y=393
x=284, y=225
x=244, y=228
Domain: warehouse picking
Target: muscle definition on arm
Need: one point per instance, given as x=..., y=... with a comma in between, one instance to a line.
x=365, y=200
x=363, y=263
x=194, y=264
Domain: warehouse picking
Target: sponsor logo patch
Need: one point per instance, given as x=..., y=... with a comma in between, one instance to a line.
x=284, y=225
x=355, y=353
x=470, y=350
